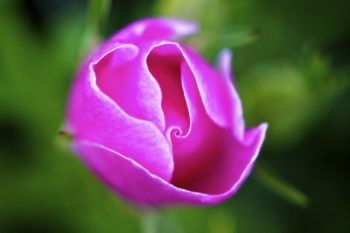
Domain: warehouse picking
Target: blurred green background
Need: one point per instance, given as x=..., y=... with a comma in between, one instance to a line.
x=292, y=69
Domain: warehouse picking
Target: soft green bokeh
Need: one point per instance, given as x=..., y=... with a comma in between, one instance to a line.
x=291, y=67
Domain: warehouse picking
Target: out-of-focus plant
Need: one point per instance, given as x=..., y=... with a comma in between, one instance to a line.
x=213, y=16
x=205, y=12
x=293, y=97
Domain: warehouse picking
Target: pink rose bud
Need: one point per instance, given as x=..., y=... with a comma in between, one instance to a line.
x=157, y=123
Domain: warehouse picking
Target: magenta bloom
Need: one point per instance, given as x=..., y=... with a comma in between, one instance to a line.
x=157, y=123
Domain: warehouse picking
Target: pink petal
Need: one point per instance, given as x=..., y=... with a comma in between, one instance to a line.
x=155, y=29
x=131, y=180
x=210, y=159
x=225, y=64
x=231, y=163
x=131, y=85
x=220, y=99
x=194, y=152
x=94, y=116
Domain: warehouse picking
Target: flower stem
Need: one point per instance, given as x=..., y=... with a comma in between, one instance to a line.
x=97, y=13
x=150, y=221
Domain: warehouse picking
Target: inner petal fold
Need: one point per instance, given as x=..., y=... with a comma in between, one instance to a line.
x=164, y=63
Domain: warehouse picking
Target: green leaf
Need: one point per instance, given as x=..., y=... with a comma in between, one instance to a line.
x=281, y=187
x=215, y=39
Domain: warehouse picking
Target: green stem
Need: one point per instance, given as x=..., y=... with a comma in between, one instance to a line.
x=150, y=220
x=96, y=16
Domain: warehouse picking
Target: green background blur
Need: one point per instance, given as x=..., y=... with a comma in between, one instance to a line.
x=292, y=69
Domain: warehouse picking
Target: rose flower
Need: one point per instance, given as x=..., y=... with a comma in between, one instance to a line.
x=157, y=123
